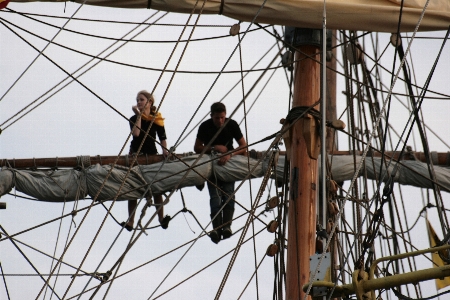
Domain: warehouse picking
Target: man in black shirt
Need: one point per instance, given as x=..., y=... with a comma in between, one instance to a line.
x=219, y=191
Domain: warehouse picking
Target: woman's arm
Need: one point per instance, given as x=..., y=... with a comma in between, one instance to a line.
x=137, y=128
x=164, y=148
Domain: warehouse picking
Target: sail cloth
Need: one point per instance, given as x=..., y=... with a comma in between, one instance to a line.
x=70, y=184
x=410, y=172
x=373, y=15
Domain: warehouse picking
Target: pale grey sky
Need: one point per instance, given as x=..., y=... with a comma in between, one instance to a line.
x=75, y=122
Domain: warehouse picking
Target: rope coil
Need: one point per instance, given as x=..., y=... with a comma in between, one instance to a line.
x=297, y=111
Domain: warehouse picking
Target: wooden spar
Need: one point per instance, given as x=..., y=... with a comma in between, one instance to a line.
x=73, y=162
x=439, y=159
x=303, y=189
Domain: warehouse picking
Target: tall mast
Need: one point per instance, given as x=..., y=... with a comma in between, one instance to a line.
x=303, y=169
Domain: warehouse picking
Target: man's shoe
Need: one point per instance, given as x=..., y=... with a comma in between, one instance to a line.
x=227, y=220
x=217, y=223
x=226, y=232
x=165, y=222
x=214, y=236
x=127, y=227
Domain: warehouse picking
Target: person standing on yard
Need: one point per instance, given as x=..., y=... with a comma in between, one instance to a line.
x=220, y=191
x=144, y=115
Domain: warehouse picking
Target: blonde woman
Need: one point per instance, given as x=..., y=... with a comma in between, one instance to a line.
x=144, y=115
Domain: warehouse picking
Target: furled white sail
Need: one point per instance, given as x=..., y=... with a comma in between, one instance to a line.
x=409, y=172
x=69, y=184
x=374, y=15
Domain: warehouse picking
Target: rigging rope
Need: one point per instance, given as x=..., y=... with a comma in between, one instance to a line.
x=249, y=220
x=47, y=222
x=42, y=51
x=376, y=124
x=4, y=281
x=132, y=40
x=223, y=98
x=117, y=264
x=255, y=273
x=418, y=106
x=84, y=72
x=62, y=69
x=167, y=199
x=207, y=266
x=126, y=64
x=56, y=244
x=259, y=94
x=201, y=154
x=8, y=10
x=30, y=263
x=248, y=160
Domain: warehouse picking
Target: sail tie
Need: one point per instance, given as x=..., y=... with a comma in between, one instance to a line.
x=83, y=161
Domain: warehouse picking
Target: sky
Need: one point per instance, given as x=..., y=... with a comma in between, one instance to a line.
x=89, y=117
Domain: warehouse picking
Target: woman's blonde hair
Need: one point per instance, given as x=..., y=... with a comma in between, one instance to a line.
x=148, y=96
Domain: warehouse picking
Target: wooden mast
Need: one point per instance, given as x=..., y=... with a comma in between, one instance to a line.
x=303, y=169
